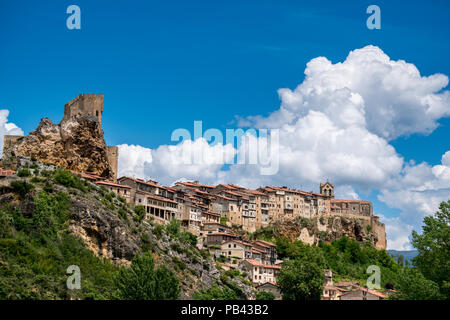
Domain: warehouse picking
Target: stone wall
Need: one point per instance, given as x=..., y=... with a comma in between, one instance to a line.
x=113, y=158
x=85, y=104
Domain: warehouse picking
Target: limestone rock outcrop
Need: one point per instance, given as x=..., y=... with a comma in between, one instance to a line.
x=331, y=228
x=76, y=143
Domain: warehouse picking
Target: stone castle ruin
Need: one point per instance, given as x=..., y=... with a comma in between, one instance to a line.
x=76, y=143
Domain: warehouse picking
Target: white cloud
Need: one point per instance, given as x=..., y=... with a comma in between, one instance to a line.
x=391, y=97
x=397, y=233
x=7, y=128
x=418, y=190
x=169, y=163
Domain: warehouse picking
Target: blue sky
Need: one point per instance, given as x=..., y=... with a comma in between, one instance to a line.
x=163, y=64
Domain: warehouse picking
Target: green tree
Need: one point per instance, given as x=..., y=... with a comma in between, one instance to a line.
x=140, y=213
x=216, y=293
x=265, y=295
x=412, y=285
x=301, y=280
x=433, y=259
x=143, y=282
x=173, y=227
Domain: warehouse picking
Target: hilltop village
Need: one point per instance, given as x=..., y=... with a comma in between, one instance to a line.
x=219, y=215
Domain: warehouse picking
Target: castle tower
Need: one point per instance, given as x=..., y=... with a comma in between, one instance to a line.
x=113, y=159
x=85, y=104
x=327, y=189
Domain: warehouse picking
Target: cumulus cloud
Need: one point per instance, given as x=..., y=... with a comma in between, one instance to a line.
x=336, y=125
x=418, y=191
x=397, y=233
x=188, y=160
x=7, y=128
x=389, y=97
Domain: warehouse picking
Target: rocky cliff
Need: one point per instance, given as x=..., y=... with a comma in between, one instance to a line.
x=330, y=228
x=75, y=143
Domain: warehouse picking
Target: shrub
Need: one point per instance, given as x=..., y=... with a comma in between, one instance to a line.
x=22, y=188
x=158, y=230
x=173, y=227
x=265, y=295
x=24, y=173
x=140, y=213
x=143, y=282
x=189, y=238
x=67, y=179
x=216, y=293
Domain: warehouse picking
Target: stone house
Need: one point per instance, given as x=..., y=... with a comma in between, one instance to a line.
x=161, y=209
x=269, y=251
x=362, y=294
x=270, y=287
x=237, y=249
x=212, y=227
x=216, y=239
x=259, y=272
x=119, y=189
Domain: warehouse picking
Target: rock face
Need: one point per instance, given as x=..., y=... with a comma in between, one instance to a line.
x=76, y=143
x=331, y=228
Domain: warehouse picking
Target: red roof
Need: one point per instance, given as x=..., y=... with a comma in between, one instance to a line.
x=375, y=293
x=7, y=172
x=349, y=201
x=259, y=264
x=222, y=234
x=267, y=243
x=88, y=175
x=112, y=184
x=153, y=183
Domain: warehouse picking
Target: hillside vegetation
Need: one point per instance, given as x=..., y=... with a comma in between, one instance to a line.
x=51, y=219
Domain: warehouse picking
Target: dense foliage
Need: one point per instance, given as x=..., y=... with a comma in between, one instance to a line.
x=412, y=285
x=301, y=279
x=36, y=250
x=433, y=259
x=143, y=282
x=265, y=295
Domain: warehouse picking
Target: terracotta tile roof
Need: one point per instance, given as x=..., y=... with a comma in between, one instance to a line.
x=6, y=172
x=224, y=197
x=261, y=245
x=346, y=284
x=239, y=241
x=159, y=198
x=259, y=264
x=256, y=192
x=109, y=183
x=257, y=250
x=222, y=234
x=335, y=288
x=267, y=243
x=193, y=184
x=88, y=175
x=375, y=293
x=153, y=184
x=349, y=201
